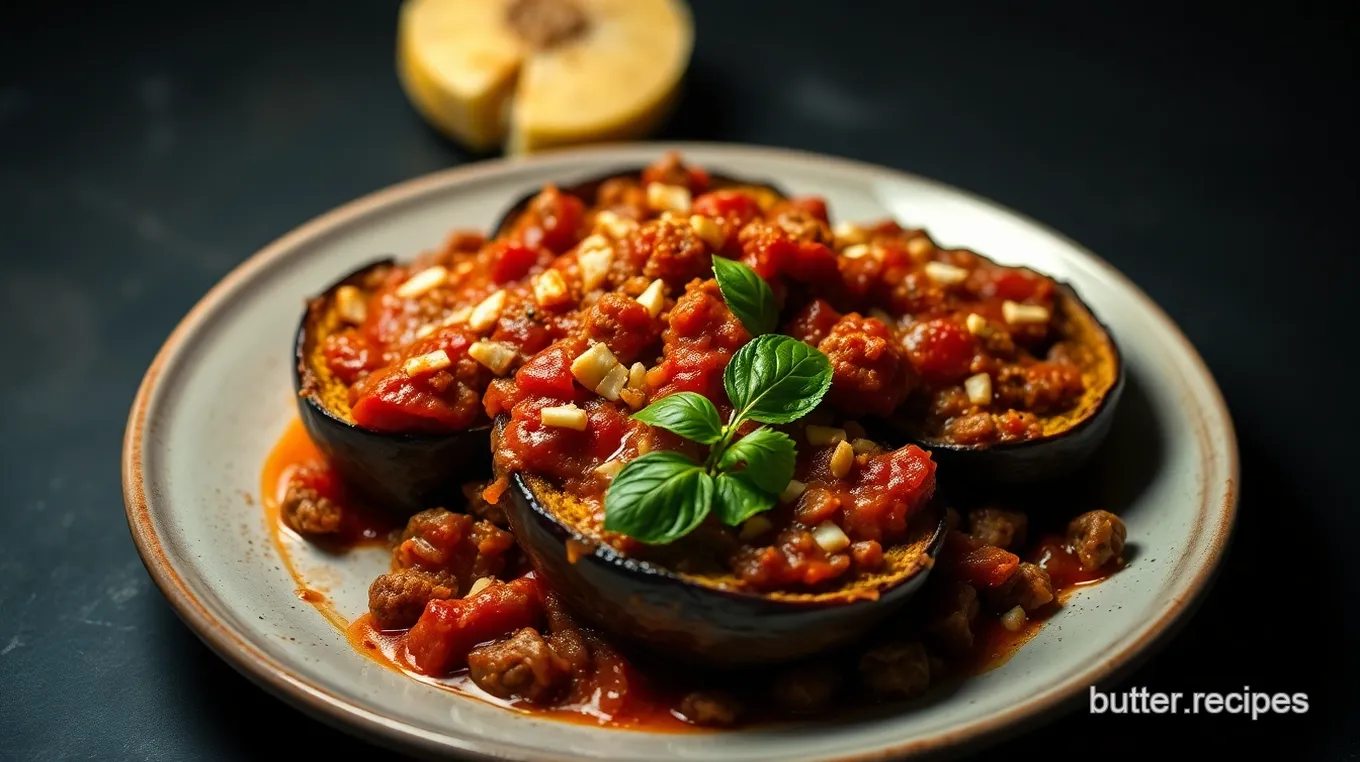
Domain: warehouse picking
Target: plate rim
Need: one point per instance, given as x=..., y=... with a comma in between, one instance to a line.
x=347, y=716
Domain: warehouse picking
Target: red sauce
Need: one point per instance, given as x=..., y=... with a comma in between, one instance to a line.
x=1055, y=557
x=653, y=690
x=359, y=525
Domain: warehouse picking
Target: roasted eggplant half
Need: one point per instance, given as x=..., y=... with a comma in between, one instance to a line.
x=1068, y=439
x=587, y=189
x=695, y=618
x=402, y=473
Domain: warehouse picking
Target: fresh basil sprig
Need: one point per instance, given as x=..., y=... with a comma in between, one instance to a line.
x=747, y=295
x=662, y=496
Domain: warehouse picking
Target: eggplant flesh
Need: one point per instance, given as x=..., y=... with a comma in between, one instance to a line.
x=680, y=616
x=1049, y=457
x=588, y=188
x=398, y=473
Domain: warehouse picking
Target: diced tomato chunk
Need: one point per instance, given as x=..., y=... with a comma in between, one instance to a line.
x=727, y=204
x=448, y=630
x=548, y=374
x=814, y=322
x=553, y=220
x=941, y=349
x=512, y=260
x=393, y=401
x=348, y=355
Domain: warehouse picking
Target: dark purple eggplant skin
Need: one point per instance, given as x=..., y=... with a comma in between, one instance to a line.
x=397, y=473
x=586, y=189
x=1037, y=461
x=649, y=607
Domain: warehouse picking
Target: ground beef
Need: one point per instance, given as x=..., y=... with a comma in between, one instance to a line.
x=1040, y=388
x=521, y=666
x=806, y=687
x=1096, y=537
x=397, y=599
x=307, y=511
x=466, y=547
x=622, y=195
x=623, y=325
x=675, y=253
x=993, y=526
x=566, y=638
x=896, y=670
x=952, y=623
x=710, y=708
x=1029, y=587
x=871, y=371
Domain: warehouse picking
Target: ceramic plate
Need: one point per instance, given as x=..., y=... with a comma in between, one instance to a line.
x=218, y=396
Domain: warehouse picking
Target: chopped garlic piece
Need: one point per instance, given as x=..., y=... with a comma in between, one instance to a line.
x=919, y=248
x=1014, y=619
x=842, y=459
x=425, y=330
x=709, y=230
x=351, y=305
x=856, y=251
x=593, y=365
x=668, y=198
x=945, y=274
x=862, y=446
x=977, y=324
x=486, y=314
x=792, y=492
x=979, y=389
x=609, y=469
x=830, y=537
x=654, y=298
x=594, y=257
x=495, y=355
x=481, y=584
x=420, y=283
x=823, y=435
x=614, y=225
x=637, y=376
x=564, y=417
x=1016, y=313
x=427, y=363
x=613, y=382
x=754, y=527
x=550, y=288
x=848, y=234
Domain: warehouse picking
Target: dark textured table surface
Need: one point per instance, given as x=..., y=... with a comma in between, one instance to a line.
x=146, y=149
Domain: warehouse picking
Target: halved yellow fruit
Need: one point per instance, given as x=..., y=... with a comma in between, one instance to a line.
x=534, y=74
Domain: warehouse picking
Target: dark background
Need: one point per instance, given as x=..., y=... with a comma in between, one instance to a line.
x=1208, y=153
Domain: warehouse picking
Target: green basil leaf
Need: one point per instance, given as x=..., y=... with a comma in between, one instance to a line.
x=769, y=456
x=658, y=498
x=747, y=295
x=736, y=498
x=776, y=379
x=688, y=414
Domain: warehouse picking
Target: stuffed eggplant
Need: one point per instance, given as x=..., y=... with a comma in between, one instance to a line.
x=394, y=361
x=399, y=471
x=1033, y=420
x=704, y=618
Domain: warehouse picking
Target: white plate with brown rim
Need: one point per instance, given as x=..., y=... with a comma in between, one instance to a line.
x=219, y=394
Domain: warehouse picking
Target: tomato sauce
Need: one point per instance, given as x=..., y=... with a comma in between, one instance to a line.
x=655, y=690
